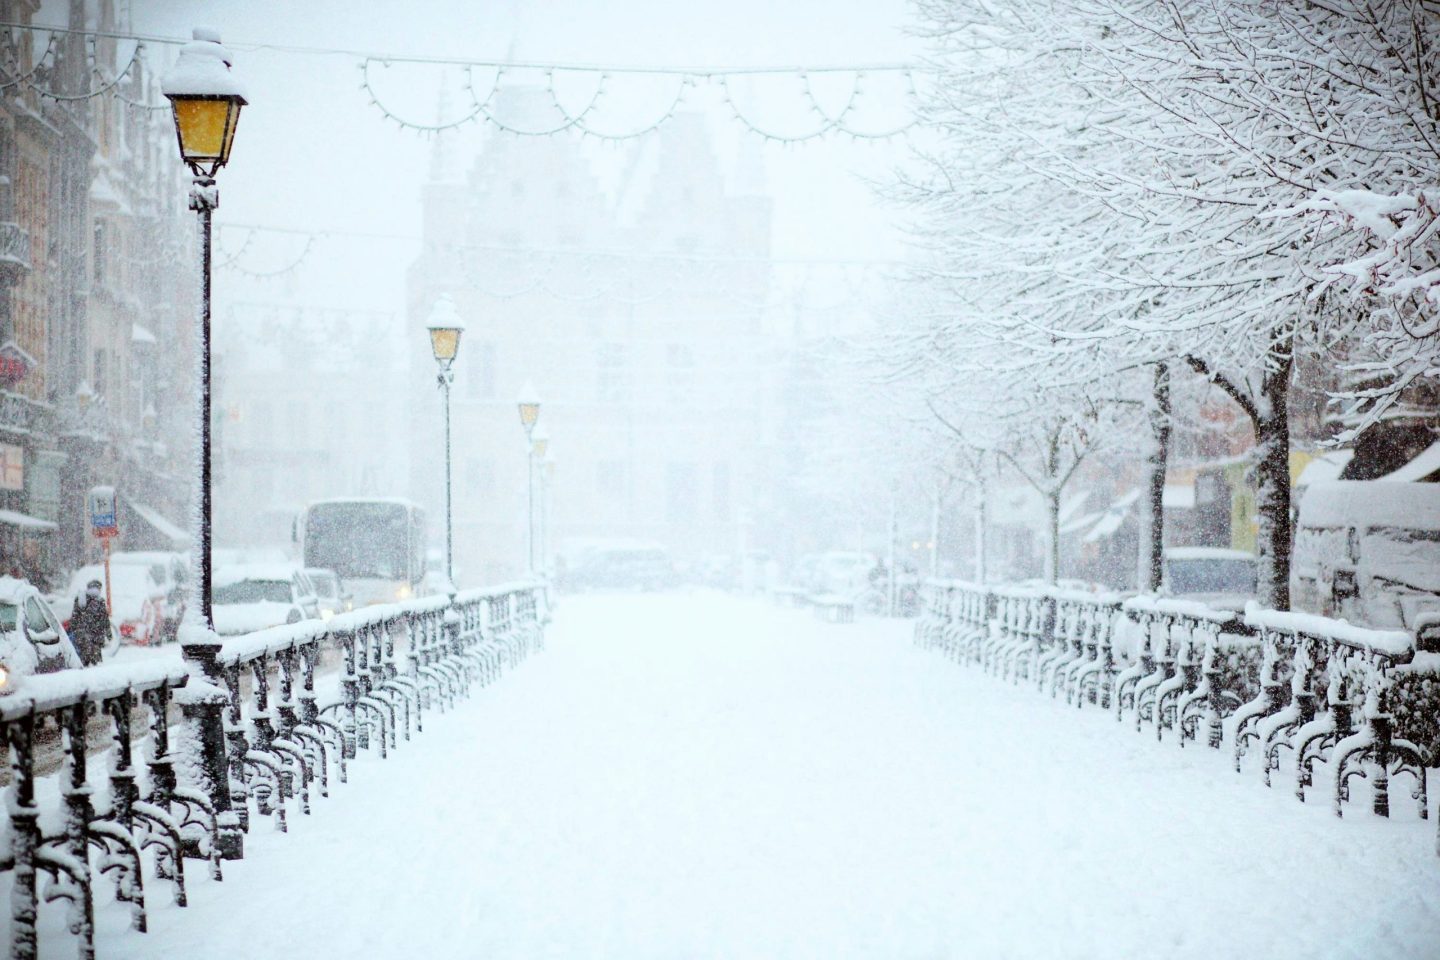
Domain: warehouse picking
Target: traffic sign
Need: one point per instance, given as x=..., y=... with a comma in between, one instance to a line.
x=103, y=521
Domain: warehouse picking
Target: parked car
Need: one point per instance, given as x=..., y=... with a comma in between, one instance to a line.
x=331, y=595
x=32, y=639
x=845, y=573
x=638, y=567
x=137, y=599
x=171, y=571
x=251, y=597
x=1368, y=551
x=1220, y=578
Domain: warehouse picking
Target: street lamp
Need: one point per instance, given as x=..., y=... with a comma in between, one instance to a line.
x=547, y=503
x=206, y=98
x=528, y=403
x=539, y=444
x=445, y=328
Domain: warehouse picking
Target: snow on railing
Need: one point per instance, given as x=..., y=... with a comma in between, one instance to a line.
x=397, y=662
x=1320, y=693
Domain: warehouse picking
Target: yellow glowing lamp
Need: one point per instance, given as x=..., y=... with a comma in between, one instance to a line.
x=529, y=404
x=206, y=98
x=540, y=442
x=445, y=328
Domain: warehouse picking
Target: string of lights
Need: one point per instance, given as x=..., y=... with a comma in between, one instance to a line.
x=539, y=250
x=13, y=63
x=107, y=84
x=580, y=122
x=480, y=109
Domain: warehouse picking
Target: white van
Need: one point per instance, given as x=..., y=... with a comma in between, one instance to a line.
x=1368, y=551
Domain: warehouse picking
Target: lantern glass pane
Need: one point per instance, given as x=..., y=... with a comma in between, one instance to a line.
x=445, y=342
x=205, y=128
x=529, y=413
x=540, y=447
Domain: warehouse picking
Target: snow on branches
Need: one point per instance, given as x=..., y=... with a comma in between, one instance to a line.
x=1115, y=184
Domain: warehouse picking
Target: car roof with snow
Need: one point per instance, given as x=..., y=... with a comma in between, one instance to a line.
x=254, y=571
x=15, y=591
x=143, y=556
x=1207, y=553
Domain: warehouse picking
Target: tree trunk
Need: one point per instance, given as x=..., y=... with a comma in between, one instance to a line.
x=935, y=535
x=1152, y=512
x=1272, y=443
x=980, y=531
x=1052, y=553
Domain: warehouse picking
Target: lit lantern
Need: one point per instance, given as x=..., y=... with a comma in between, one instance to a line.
x=206, y=98
x=445, y=328
x=529, y=404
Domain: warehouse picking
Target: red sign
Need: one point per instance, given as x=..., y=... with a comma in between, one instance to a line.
x=15, y=364
x=12, y=467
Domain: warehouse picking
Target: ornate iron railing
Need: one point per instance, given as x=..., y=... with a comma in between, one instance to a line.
x=286, y=739
x=1299, y=693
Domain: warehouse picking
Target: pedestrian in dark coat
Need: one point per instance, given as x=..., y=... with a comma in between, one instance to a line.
x=90, y=625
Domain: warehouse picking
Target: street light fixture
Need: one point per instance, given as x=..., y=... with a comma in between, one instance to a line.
x=206, y=99
x=528, y=403
x=547, y=503
x=539, y=443
x=445, y=328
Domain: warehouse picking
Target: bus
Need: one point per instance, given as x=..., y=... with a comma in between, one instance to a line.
x=376, y=545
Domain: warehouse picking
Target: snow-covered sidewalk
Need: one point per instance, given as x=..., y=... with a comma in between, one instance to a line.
x=696, y=776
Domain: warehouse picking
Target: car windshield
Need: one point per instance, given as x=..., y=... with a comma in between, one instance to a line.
x=1212, y=575
x=9, y=615
x=359, y=540
x=126, y=579
x=325, y=586
x=253, y=591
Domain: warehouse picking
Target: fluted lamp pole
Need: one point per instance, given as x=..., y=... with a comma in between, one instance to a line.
x=528, y=404
x=539, y=445
x=206, y=97
x=445, y=328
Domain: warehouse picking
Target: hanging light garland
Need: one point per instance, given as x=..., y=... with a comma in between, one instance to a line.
x=481, y=109
x=581, y=122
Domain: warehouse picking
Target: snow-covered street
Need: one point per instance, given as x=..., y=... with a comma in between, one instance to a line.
x=691, y=775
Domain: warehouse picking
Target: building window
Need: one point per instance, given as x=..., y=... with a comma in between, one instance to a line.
x=480, y=377
x=680, y=492
x=99, y=251
x=680, y=371
x=612, y=385
x=720, y=491
x=479, y=476
x=98, y=382
x=612, y=480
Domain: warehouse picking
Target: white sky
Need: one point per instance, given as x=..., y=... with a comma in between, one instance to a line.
x=312, y=153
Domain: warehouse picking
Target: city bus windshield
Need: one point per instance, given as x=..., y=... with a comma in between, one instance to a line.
x=359, y=540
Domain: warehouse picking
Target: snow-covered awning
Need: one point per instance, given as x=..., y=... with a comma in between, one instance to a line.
x=139, y=334
x=14, y=518
x=1178, y=496
x=177, y=537
x=1324, y=468
x=1112, y=519
x=1416, y=470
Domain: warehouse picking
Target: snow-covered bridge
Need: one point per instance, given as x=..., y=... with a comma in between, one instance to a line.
x=697, y=775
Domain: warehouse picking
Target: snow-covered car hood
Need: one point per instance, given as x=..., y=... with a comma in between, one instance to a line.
x=234, y=618
x=23, y=658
